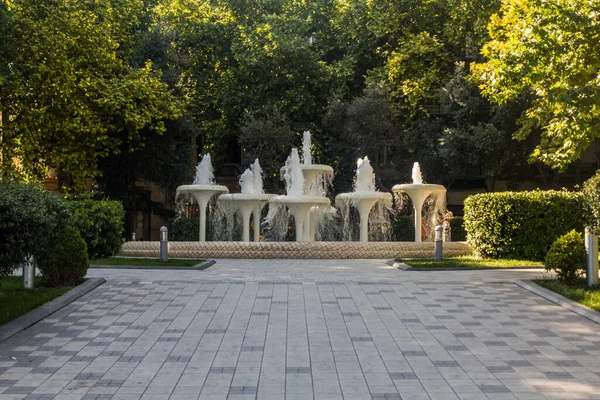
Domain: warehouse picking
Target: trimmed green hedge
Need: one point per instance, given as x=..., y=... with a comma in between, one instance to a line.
x=403, y=228
x=63, y=258
x=184, y=229
x=457, y=229
x=100, y=223
x=521, y=225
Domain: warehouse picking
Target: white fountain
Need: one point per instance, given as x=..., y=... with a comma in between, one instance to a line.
x=203, y=189
x=364, y=196
x=296, y=200
x=418, y=192
x=251, y=200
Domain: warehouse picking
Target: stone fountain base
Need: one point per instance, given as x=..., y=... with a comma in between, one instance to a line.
x=303, y=250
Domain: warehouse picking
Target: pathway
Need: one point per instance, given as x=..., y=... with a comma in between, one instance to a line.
x=305, y=329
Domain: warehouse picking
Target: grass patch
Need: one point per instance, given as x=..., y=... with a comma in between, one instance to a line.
x=16, y=301
x=577, y=291
x=468, y=262
x=145, y=262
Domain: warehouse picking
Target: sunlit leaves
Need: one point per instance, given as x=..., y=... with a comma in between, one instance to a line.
x=548, y=48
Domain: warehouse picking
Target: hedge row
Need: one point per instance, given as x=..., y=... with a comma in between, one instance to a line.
x=522, y=225
x=61, y=235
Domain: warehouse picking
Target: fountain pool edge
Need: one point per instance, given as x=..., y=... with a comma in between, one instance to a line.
x=295, y=250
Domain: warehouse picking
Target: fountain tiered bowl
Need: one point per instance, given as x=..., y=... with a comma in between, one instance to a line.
x=418, y=192
x=248, y=203
x=300, y=207
x=202, y=194
x=311, y=171
x=364, y=202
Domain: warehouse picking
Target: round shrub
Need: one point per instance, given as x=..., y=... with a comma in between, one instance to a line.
x=63, y=257
x=100, y=224
x=457, y=229
x=567, y=256
x=521, y=225
x=27, y=215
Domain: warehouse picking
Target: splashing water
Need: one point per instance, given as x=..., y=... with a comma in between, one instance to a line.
x=247, y=182
x=257, y=173
x=294, y=179
x=365, y=177
x=205, y=174
x=306, y=148
x=417, y=177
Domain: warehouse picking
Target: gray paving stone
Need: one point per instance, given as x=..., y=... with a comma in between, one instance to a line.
x=292, y=329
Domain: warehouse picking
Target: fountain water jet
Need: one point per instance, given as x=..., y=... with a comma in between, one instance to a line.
x=364, y=196
x=203, y=189
x=296, y=200
x=251, y=200
x=418, y=192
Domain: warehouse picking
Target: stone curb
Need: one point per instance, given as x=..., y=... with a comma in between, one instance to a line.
x=560, y=300
x=197, y=267
x=25, y=321
x=406, y=267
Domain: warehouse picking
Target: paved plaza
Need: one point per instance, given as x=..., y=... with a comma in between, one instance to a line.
x=306, y=329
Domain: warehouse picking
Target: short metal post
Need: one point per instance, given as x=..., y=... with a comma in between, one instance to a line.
x=29, y=272
x=438, y=243
x=591, y=246
x=164, y=244
x=133, y=236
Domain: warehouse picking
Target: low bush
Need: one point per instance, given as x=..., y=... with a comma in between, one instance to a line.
x=457, y=229
x=567, y=256
x=63, y=257
x=101, y=224
x=27, y=215
x=184, y=229
x=521, y=225
x=403, y=228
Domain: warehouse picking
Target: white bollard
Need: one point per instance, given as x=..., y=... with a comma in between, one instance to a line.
x=164, y=244
x=437, y=253
x=29, y=272
x=591, y=246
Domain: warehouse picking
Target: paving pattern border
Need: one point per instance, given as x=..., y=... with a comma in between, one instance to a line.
x=25, y=321
x=560, y=300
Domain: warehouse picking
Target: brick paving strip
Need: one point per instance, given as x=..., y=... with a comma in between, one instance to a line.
x=25, y=321
x=310, y=329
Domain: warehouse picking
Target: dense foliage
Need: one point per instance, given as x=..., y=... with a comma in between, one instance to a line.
x=549, y=49
x=521, y=224
x=100, y=224
x=62, y=258
x=457, y=229
x=27, y=215
x=591, y=191
x=567, y=256
x=184, y=229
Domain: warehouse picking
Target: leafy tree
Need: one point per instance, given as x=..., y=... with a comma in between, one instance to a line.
x=366, y=126
x=549, y=49
x=72, y=96
x=269, y=139
x=479, y=129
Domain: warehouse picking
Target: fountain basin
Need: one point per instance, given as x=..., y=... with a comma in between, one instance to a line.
x=202, y=194
x=311, y=171
x=418, y=192
x=364, y=202
x=300, y=207
x=248, y=203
